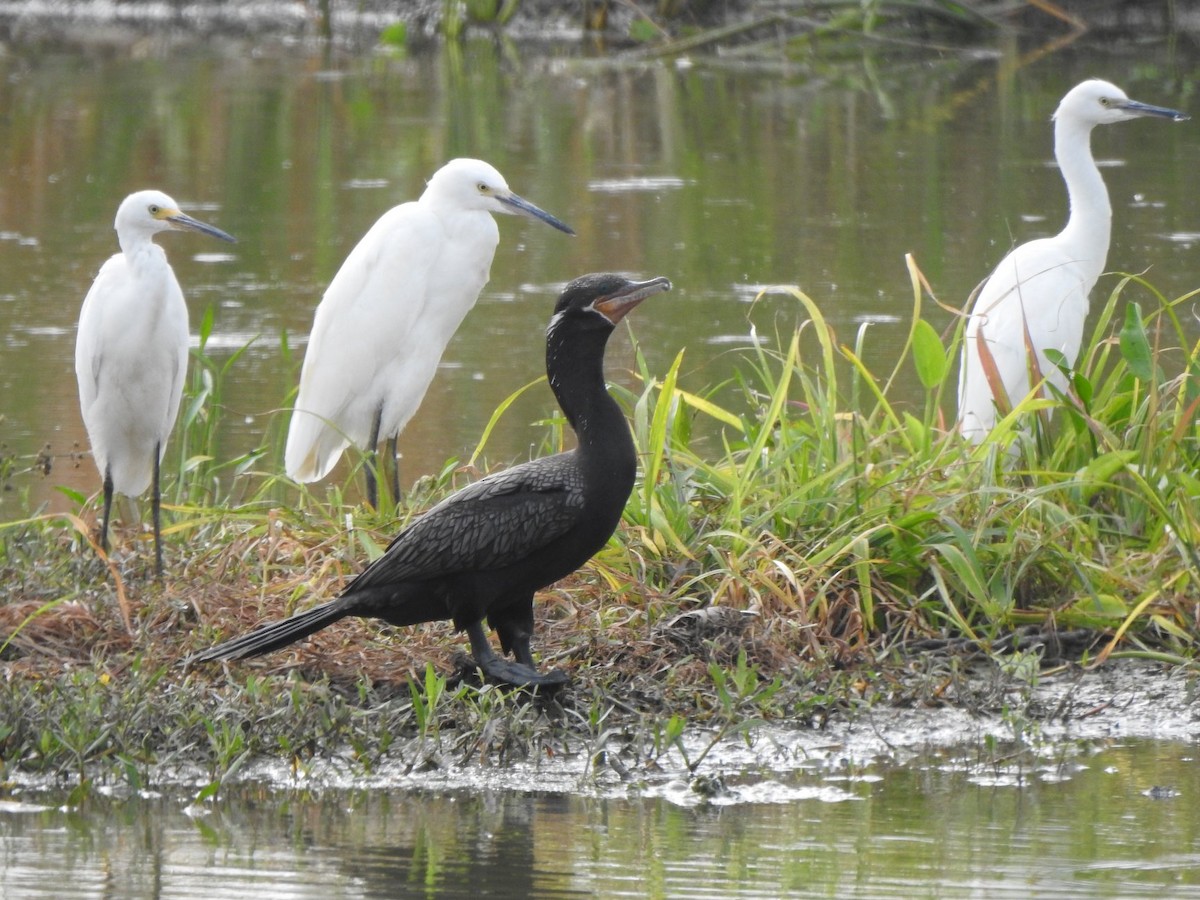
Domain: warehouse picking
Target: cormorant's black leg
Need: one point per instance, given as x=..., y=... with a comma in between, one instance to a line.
x=519, y=674
x=373, y=461
x=395, y=470
x=522, y=652
x=514, y=626
x=156, y=513
x=108, y=494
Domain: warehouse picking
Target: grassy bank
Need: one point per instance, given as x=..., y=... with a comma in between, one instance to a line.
x=804, y=539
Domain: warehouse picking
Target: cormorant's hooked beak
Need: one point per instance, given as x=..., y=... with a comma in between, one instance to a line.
x=1136, y=108
x=617, y=305
x=183, y=222
x=519, y=206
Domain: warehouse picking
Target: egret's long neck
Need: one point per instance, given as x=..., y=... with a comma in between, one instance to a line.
x=137, y=247
x=575, y=366
x=1089, y=226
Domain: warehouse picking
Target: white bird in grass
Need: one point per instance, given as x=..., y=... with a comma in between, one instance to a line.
x=131, y=353
x=1038, y=296
x=387, y=316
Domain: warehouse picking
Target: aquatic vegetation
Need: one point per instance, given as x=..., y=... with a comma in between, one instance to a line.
x=806, y=539
x=868, y=521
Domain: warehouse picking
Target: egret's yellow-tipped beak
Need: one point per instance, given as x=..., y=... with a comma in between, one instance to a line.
x=1137, y=108
x=519, y=206
x=183, y=222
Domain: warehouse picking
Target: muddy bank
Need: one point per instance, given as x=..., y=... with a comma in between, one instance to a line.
x=1054, y=721
x=1001, y=723
x=657, y=703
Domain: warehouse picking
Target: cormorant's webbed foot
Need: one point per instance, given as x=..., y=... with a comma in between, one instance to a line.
x=502, y=670
x=520, y=675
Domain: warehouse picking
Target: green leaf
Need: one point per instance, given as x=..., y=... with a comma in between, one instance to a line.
x=452, y=19
x=1107, y=606
x=192, y=463
x=1101, y=470
x=929, y=356
x=643, y=31
x=1135, y=346
x=918, y=434
x=372, y=548
x=206, y=325
x=77, y=497
x=1190, y=483
x=966, y=566
x=710, y=409
x=1058, y=359
x=483, y=10
x=1083, y=389
x=394, y=35
x=507, y=11
x=496, y=415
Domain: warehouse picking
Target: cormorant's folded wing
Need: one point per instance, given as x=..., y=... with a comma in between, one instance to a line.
x=491, y=524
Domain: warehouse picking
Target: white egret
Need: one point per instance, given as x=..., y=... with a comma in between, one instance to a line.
x=389, y=313
x=131, y=353
x=1038, y=294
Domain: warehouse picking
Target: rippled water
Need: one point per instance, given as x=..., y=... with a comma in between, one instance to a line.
x=1111, y=820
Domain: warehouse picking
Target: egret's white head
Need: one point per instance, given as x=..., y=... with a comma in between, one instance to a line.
x=473, y=184
x=146, y=213
x=1097, y=102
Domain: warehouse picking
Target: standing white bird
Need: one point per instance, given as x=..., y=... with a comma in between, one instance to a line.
x=387, y=316
x=131, y=353
x=1038, y=295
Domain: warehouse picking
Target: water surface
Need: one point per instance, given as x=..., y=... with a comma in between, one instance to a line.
x=1117, y=819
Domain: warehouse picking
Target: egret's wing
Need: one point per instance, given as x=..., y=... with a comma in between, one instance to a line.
x=491, y=524
x=1036, y=297
x=89, y=336
x=177, y=335
x=998, y=324
x=365, y=317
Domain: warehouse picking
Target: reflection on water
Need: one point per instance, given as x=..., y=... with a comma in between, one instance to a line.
x=1121, y=822
x=722, y=177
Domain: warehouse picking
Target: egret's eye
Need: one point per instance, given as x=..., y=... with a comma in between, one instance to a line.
x=483, y=188
x=1104, y=101
x=155, y=209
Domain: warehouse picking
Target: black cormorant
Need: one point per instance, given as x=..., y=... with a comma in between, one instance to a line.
x=484, y=551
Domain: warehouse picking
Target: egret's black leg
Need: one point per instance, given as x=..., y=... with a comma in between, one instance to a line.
x=108, y=494
x=395, y=473
x=519, y=674
x=373, y=461
x=156, y=513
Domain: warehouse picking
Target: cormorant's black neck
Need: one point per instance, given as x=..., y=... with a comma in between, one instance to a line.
x=575, y=368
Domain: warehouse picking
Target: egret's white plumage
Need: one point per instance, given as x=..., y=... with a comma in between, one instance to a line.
x=131, y=351
x=1039, y=292
x=388, y=314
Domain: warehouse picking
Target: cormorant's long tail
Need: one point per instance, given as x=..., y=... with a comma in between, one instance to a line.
x=274, y=635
